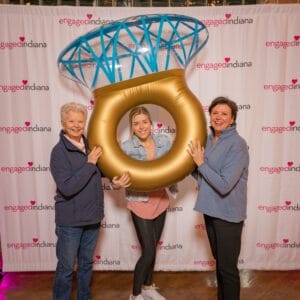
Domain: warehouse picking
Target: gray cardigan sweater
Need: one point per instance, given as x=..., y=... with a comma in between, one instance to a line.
x=223, y=176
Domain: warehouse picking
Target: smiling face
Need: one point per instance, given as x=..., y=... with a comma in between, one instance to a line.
x=141, y=126
x=221, y=118
x=73, y=125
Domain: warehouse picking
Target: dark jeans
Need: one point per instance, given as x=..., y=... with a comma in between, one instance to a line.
x=74, y=243
x=148, y=233
x=225, y=242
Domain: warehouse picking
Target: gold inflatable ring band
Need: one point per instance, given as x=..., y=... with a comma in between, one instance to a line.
x=167, y=89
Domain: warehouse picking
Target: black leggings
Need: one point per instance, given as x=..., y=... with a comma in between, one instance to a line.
x=148, y=233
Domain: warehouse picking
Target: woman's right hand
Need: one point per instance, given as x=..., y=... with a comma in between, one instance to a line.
x=95, y=154
x=196, y=151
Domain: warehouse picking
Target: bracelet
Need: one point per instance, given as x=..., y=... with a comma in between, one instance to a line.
x=111, y=185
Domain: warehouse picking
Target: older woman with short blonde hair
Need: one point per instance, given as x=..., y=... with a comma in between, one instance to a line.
x=79, y=205
x=72, y=106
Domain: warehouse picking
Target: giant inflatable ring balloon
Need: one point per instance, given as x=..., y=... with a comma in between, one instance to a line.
x=135, y=61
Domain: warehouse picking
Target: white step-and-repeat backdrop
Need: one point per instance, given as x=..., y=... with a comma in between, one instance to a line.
x=252, y=56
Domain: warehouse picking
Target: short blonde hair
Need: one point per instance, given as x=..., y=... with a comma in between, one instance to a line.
x=72, y=106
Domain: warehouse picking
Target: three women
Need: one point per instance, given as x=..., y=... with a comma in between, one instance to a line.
x=222, y=173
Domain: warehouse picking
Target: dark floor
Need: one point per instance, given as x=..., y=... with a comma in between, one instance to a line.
x=265, y=285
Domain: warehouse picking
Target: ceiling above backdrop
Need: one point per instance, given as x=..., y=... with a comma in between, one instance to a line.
x=140, y=3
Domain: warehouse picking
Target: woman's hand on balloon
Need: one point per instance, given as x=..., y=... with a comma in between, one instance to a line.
x=196, y=151
x=122, y=181
x=95, y=154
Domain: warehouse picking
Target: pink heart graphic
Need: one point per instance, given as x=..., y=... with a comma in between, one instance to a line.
x=27, y=123
x=285, y=241
x=227, y=59
x=290, y=163
x=30, y=163
x=89, y=16
x=294, y=81
x=228, y=16
x=22, y=38
x=160, y=242
x=32, y=202
x=98, y=257
x=92, y=102
x=292, y=123
x=288, y=202
x=35, y=240
x=296, y=37
x=24, y=82
x=159, y=125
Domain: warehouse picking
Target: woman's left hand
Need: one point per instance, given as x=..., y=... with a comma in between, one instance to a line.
x=122, y=181
x=196, y=151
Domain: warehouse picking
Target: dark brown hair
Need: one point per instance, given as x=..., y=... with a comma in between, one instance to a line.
x=223, y=100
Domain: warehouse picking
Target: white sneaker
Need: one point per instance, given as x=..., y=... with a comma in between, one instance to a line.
x=151, y=293
x=138, y=297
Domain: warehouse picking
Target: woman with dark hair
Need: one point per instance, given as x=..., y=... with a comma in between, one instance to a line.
x=222, y=173
x=148, y=209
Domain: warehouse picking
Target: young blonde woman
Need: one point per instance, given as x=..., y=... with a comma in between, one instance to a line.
x=148, y=209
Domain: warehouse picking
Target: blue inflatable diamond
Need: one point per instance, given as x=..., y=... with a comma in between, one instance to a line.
x=132, y=47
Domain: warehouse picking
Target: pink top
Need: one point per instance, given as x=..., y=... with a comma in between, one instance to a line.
x=158, y=202
x=80, y=145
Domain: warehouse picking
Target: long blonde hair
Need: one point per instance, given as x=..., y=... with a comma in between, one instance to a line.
x=138, y=110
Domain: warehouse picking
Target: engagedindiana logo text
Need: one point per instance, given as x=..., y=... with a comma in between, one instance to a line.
x=98, y=260
x=161, y=246
x=86, y=21
x=226, y=64
x=26, y=128
x=35, y=243
x=22, y=43
x=291, y=128
x=227, y=20
x=160, y=128
x=279, y=87
x=31, y=167
x=284, y=244
x=288, y=206
x=24, y=86
x=284, y=44
x=290, y=167
x=32, y=206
